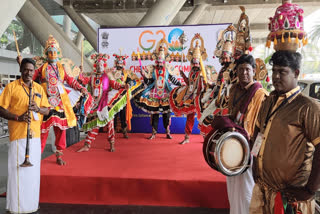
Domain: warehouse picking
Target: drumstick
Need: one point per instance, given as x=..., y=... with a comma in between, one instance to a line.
x=15, y=39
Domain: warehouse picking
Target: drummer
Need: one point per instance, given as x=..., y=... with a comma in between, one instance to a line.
x=248, y=93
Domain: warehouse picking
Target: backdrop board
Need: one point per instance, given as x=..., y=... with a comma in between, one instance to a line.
x=128, y=40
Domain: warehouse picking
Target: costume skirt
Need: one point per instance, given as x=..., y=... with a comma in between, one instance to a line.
x=150, y=102
x=181, y=102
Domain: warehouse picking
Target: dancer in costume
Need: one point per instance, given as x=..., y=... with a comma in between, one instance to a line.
x=107, y=102
x=23, y=182
x=51, y=76
x=155, y=98
x=286, y=149
x=123, y=76
x=232, y=44
x=182, y=98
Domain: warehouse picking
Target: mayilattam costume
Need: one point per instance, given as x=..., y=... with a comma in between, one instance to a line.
x=182, y=98
x=155, y=98
x=287, y=146
x=109, y=98
x=123, y=76
x=52, y=76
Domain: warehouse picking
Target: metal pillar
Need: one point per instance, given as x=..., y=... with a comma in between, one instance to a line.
x=83, y=25
x=162, y=12
x=67, y=26
x=195, y=15
x=42, y=25
x=8, y=10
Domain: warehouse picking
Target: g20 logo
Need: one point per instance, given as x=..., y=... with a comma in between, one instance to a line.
x=173, y=39
x=150, y=42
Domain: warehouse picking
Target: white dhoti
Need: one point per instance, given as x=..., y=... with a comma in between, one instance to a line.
x=240, y=191
x=23, y=182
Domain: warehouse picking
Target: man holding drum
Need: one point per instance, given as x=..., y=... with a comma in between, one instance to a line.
x=24, y=182
x=287, y=144
x=244, y=103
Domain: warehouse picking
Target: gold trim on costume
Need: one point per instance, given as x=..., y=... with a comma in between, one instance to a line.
x=316, y=141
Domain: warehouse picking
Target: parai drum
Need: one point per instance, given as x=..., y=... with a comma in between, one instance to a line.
x=227, y=152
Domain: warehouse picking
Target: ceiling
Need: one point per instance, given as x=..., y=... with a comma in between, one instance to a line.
x=128, y=13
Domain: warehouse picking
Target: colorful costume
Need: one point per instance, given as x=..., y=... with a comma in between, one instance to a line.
x=232, y=43
x=52, y=75
x=23, y=182
x=123, y=76
x=109, y=98
x=182, y=98
x=155, y=98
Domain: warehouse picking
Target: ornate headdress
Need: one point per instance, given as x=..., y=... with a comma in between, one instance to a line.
x=197, y=51
x=226, y=45
x=287, y=30
x=243, y=37
x=161, y=51
x=120, y=59
x=99, y=57
x=52, y=43
x=261, y=70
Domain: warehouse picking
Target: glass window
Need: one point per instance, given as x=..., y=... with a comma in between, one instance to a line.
x=315, y=90
x=302, y=85
x=28, y=44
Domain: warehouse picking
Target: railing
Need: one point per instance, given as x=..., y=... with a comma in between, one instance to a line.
x=3, y=128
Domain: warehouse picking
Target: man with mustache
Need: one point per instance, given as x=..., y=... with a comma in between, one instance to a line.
x=286, y=146
x=23, y=182
x=244, y=103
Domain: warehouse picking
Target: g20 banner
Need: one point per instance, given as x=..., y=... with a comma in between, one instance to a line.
x=127, y=40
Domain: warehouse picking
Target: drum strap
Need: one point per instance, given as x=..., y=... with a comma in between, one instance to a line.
x=250, y=94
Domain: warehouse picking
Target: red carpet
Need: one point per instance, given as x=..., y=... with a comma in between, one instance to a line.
x=156, y=172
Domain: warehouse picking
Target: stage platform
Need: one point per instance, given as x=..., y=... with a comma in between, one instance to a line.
x=158, y=172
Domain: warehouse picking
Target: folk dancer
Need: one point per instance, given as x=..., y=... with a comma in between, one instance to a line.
x=232, y=44
x=106, y=105
x=123, y=76
x=52, y=77
x=182, y=98
x=155, y=98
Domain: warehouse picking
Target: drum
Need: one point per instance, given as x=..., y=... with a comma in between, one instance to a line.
x=227, y=151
